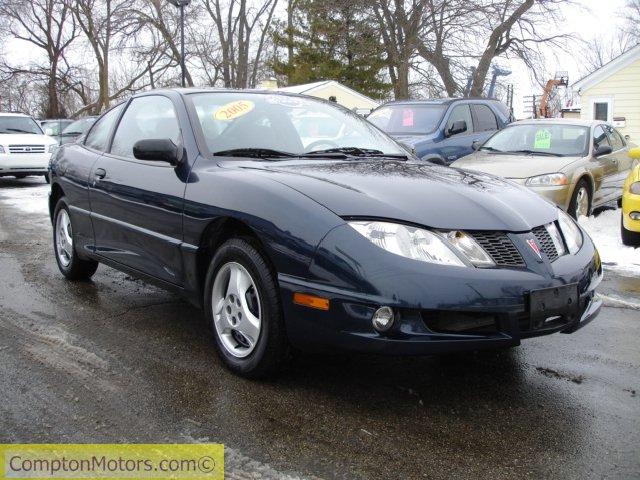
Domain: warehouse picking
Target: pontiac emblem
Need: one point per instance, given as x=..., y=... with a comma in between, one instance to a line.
x=534, y=246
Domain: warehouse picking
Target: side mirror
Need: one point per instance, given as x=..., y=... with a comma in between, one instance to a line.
x=602, y=150
x=635, y=153
x=627, y=137
x=476, y=145
x=157, y=150
x=457, y=127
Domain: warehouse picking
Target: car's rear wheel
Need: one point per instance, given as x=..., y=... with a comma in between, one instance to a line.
x=70, y=265
x=243, y=308
x=629, y=238
x=580, y=200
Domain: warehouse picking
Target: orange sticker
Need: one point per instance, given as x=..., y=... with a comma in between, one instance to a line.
x=233, y=110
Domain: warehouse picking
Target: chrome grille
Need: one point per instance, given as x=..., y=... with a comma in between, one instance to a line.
x=546, y=242
x=500, y=248
x=26, y=148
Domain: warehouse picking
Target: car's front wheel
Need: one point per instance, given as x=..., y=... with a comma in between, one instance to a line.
x=629, y=238
x=71, y=266
x=242, y=305
x=580, y=204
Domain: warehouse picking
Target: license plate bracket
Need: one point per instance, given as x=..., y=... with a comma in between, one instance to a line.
x=547, y=303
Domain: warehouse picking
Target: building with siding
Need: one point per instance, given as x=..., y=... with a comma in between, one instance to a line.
x=612, y=94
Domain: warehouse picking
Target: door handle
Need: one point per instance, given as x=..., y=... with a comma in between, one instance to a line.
x=100, y=173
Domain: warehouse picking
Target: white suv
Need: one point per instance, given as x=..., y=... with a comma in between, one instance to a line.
x=24, y=148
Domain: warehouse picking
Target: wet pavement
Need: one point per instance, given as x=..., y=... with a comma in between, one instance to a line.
x=117, y=360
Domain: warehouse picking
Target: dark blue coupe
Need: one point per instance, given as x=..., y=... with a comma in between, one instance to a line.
x=290, y=233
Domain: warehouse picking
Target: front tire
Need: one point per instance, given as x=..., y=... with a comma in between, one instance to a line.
x=70, y=265
x=629, y=238
x=242, y=305
x=580, y=203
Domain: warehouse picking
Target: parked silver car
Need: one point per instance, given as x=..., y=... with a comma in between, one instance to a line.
x=576, y=164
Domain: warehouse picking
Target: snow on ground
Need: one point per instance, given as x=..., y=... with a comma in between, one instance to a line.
x=604, y=229
x=29, y=199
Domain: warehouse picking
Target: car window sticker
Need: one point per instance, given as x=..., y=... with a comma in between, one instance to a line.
x=542, y=140
x=233, y=110
x=407, y=117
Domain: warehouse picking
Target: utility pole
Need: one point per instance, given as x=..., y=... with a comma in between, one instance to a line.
x=181, y=4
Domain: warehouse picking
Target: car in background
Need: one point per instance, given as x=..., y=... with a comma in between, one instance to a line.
x=630, y=221
x=24, y=148
x=76, y=129
x=576, y=164
x=54, y=127
x=359, y=246
x=441, y=131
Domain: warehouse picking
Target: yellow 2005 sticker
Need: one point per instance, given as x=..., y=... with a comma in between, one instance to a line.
x=233, y=110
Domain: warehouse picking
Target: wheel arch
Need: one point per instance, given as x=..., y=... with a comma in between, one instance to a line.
x=56, y=194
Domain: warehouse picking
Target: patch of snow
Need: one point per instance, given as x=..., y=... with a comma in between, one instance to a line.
x=604, y=230
x=28, y=198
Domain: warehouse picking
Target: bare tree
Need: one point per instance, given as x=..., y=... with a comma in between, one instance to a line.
x=242, y=30
x=49, y=26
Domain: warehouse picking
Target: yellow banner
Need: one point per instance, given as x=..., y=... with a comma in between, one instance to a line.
x=112, y=461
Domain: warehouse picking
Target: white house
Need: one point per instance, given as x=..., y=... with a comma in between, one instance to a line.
x=335, y=91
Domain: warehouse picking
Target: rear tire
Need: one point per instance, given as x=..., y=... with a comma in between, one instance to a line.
x=70, y=265
x=629, y=238
x=580, y=203
x=255, y=297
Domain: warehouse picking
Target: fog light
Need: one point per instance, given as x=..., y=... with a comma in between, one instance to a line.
x=383, y=319
x=635, y=215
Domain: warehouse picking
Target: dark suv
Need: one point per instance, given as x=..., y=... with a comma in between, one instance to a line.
x=441, y=130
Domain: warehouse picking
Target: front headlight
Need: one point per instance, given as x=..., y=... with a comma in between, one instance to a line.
x=53, y=148
x=633, y=188
x=570, y=231
x=409, y=242
x=548, y=180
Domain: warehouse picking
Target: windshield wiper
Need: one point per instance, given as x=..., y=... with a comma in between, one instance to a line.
x=491, y=149
x=536, y=152
x=19, y=131
x=254, y=153
x=357, y=152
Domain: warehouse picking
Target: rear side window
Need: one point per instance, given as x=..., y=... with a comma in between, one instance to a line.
x=485, y=119
x=599, y=137
x=151, y=117
x=617, y=143
x=98, y=137
x=460, y=113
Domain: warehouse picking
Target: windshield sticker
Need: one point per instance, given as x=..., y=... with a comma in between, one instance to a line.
x=284, y=100
x=543, y=140
x=233, y=110
x=407, y=117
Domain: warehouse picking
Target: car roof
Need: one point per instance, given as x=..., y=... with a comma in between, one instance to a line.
x=561, y=121
x=441, y=101
x=13, y=114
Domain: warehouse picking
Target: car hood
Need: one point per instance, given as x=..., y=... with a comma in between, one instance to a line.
x=413, y=192
x=513, y=166
x=412, y=140
x=25, y=139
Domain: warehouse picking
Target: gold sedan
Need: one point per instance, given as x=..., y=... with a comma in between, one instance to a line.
x=576, y=164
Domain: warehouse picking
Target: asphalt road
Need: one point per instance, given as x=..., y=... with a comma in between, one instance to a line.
x=116, y=360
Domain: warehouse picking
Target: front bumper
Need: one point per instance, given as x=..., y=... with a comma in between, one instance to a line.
x=24, y=163
x=559, y=195
x=438, y=309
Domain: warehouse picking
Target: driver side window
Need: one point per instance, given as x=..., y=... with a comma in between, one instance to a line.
x=460, y=113
x=599, y=137
x=146, y=118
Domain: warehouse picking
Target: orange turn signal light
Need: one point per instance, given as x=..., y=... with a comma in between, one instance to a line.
x=311, y=301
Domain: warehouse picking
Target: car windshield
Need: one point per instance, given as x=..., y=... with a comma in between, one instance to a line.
x=408, y=119
x=16, y=124
x=54, y=127
x=79, y=126
x=284, y=123
x=545, y=139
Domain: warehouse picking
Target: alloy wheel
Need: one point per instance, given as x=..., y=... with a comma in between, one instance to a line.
x=64, y=238
x=582, y=202
x=236, y=309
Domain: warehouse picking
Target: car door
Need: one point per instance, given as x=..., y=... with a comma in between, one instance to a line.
x=457, y=145
x=136, y=204
x=485, y=122
x=606, y=169
x=72, y=170
x=620, y=156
